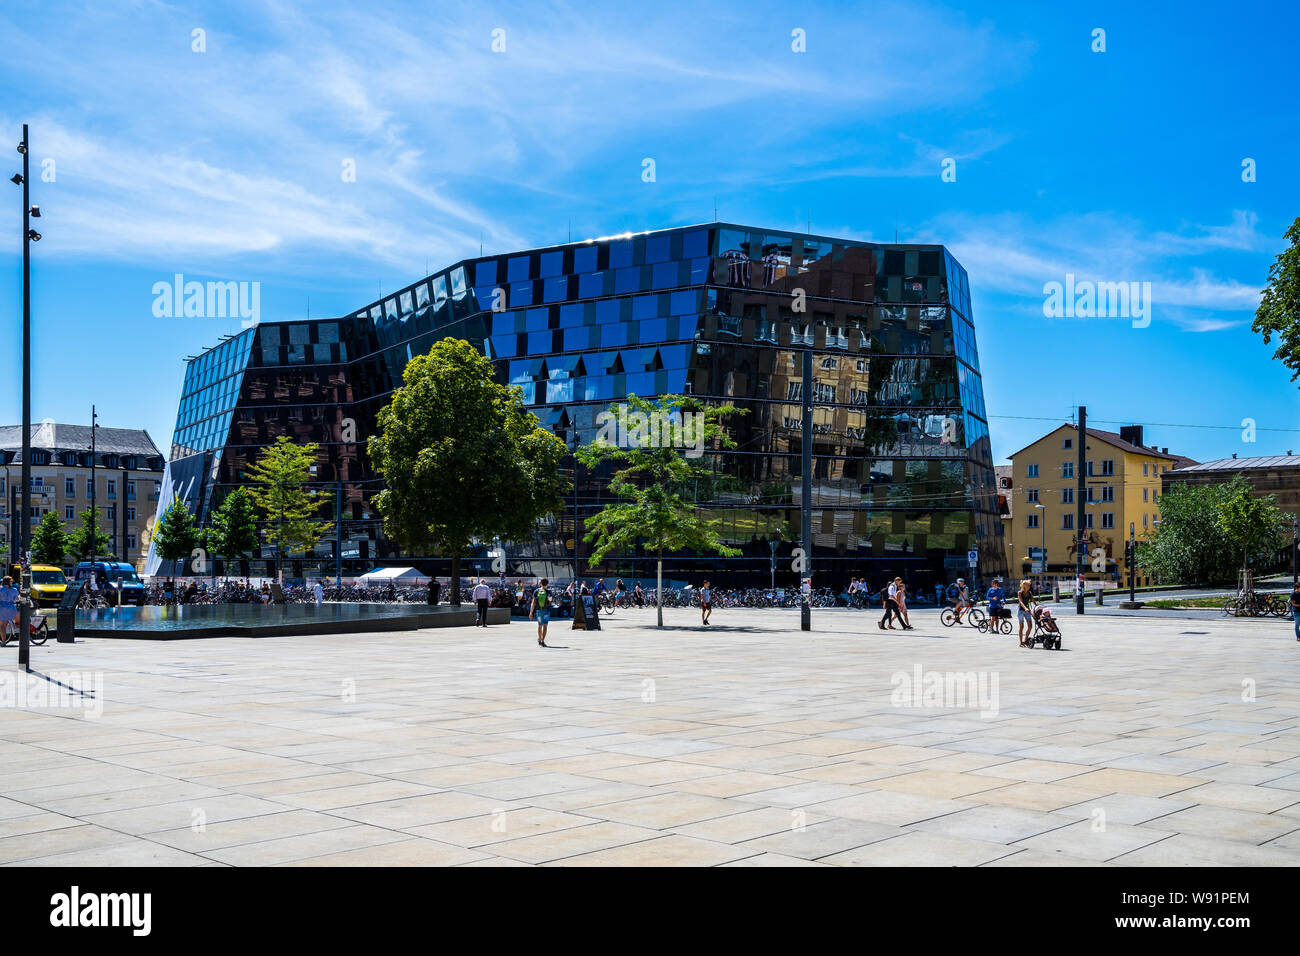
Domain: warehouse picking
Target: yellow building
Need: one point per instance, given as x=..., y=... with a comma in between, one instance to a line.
x=1122, y=489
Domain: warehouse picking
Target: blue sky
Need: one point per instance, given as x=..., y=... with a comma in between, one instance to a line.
x=225, y=164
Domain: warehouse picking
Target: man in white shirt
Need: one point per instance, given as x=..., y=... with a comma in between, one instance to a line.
x=891, y=606
x=482, y=594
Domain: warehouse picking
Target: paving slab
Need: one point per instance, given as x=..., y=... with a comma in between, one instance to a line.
x=751, y=744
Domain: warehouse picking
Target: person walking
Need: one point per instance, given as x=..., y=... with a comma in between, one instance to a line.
x=435, y=591
x=1295, y=609
x=9, y=596
x=901, y=600
x=890, y=603
x=541, y=608
x=318, y=592
x=482, y=594
x=706, y=603
x=1025, y=611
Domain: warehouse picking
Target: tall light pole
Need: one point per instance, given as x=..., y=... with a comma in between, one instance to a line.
x=1081, y=532
x=1042, y=555
x=30, y=235
x=94, y=492
x=1132, y=560
x=1295, y=544
x=805, y=523
x=576, y=595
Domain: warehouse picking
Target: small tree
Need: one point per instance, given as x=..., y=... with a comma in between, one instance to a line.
x=88, y=540
x=49, y=540
x=461, y=457
x=1279, y=308
x=176, y=536
x=1255, y=525
x=232, y=528
x=1205, y=531
x=653, y=474
x=291, y=509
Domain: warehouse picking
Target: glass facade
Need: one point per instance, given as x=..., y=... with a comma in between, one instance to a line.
x=902, y=469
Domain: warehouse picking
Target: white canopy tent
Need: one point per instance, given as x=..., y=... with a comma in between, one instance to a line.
x=391, y=576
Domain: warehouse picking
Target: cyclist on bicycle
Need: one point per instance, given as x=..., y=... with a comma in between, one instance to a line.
x=963, y=602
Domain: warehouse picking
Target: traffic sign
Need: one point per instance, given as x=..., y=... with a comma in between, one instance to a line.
x=972, y=558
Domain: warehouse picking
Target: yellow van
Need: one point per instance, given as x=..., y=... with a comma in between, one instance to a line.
x=48, y=584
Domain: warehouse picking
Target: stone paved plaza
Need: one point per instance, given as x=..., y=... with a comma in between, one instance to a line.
x=1145, y=742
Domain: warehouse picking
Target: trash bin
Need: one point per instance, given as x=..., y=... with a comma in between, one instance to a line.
x=67, y=618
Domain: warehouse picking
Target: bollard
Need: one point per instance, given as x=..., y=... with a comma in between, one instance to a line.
x=1056, y=593
x=1100, y=590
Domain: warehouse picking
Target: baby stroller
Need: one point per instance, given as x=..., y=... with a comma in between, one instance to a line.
x=1046, y=631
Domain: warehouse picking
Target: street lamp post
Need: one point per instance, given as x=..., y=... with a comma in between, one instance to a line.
x=94, y=491
x=1295, y=544
x=805, y=523
x=575, y=513
x=1132, y=559
x=30, y=235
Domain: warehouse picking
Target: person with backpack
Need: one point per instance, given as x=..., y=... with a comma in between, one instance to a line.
x=541, y=608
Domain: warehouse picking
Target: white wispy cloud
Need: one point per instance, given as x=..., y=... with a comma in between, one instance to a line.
x=237, y=151
x=1013, y=254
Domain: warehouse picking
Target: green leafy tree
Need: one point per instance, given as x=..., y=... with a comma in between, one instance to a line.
x=658, y=478
x=1255, y=525
x=176, y=535
x=280, y=489
x=1203, y=532
x=232, y=527
x=89, y=540
x=462, y=458
x=1279, y=308
x=49, y=540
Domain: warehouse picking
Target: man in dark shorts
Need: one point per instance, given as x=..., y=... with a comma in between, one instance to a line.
x=541, y=609
x=706, y=603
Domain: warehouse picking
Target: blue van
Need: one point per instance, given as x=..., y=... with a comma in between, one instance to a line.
x=107, y=574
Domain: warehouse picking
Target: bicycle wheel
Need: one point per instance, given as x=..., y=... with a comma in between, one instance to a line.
x=948, y=617
x=977, y=618
x=41, y=634
x=1004, y=625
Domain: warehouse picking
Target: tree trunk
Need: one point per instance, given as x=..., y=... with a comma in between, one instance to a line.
x=455, y=579
x=659, y=588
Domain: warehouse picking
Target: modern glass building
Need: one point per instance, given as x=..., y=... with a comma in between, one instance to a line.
x=902, y=470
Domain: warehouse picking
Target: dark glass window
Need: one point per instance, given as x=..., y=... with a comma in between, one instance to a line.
x=517, y=270
x=620, y=254
x=552, y=264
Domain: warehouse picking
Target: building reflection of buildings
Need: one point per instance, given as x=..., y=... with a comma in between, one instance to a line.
x=902, y=472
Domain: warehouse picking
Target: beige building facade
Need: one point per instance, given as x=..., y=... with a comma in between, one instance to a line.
x=127, y=477
x=1122, y=488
